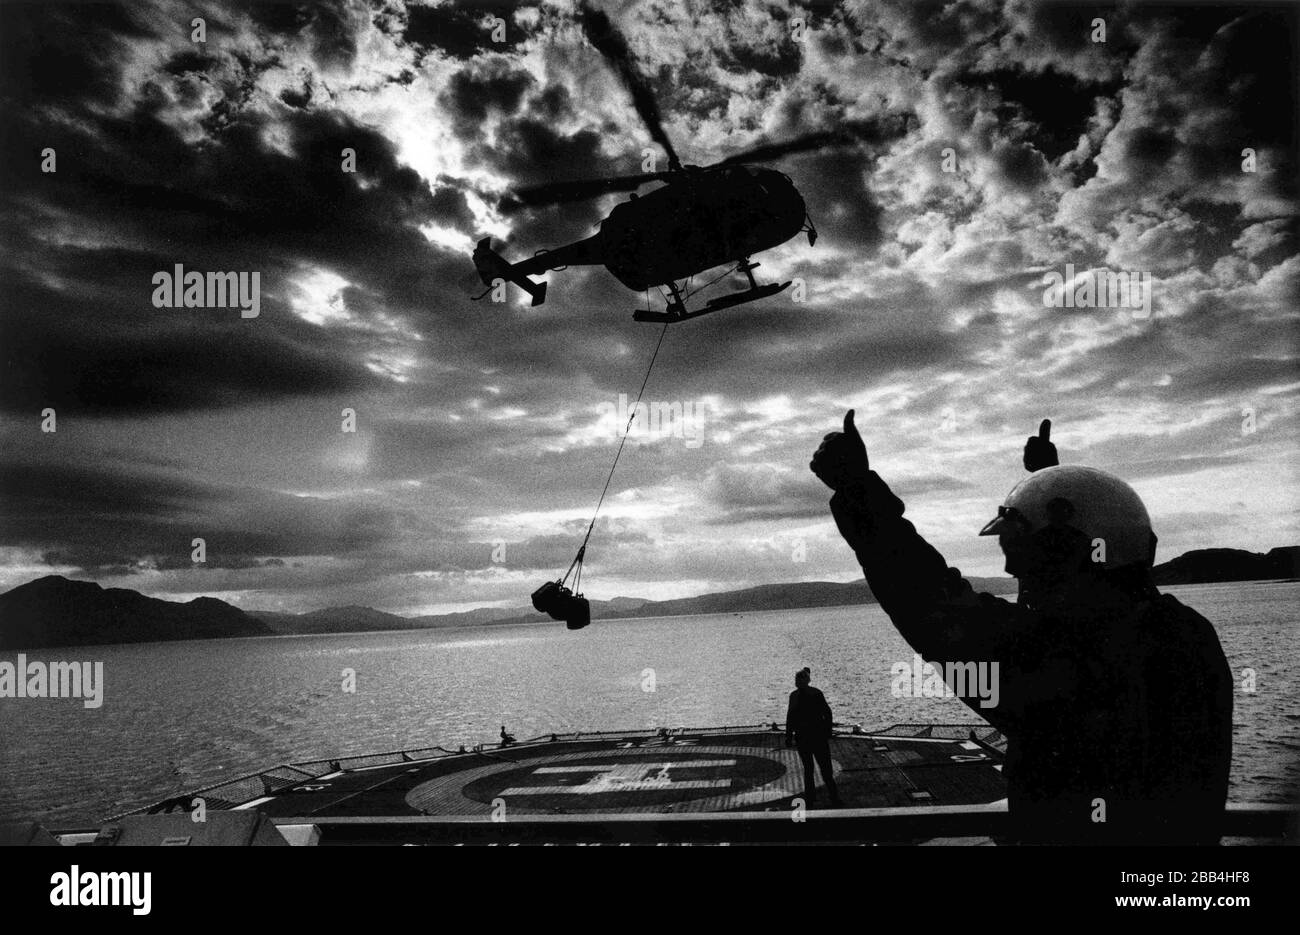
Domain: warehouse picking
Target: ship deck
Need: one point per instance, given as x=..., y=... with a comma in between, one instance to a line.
x=909, y=783
x=617, y=775
x=639, y=772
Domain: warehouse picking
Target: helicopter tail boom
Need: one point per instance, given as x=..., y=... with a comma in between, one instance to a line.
x=492, y=266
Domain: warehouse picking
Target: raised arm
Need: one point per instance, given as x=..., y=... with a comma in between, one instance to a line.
x=933, y=607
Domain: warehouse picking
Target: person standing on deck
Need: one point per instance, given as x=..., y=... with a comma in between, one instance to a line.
x=808, y=725
x=1116, y=700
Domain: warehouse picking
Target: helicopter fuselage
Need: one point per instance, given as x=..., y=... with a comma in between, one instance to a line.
x=700, y=219
x=706, y=218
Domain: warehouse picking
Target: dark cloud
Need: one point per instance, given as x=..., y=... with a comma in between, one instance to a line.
x=1056, y=106
x=473, y=92
x=56, y=356
x=481, y=424
x=105, y=519
x=778, y=59
x=531, y=152
x=76, y=318
x=462, y=30
x=64, y=54
x=839, y=198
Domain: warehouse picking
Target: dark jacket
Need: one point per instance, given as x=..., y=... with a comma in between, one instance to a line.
x=808, y=717
x=1110, y=697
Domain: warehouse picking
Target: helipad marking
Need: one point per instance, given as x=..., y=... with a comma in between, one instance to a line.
x=685, y=764
x=432, y=795
x=625, y=777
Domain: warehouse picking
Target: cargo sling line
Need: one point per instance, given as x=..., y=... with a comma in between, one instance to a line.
x=582, y=550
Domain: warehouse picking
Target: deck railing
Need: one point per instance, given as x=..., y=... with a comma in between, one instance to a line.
x=232, y=793
x=1253, y=821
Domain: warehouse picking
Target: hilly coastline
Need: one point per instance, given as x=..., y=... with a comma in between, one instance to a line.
x=57, y=611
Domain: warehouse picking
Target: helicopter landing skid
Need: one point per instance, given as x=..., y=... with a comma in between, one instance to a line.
x=748, y=295
x=715, y=305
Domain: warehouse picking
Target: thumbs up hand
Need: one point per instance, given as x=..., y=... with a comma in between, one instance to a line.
x=1039, y=450
x=841, y=458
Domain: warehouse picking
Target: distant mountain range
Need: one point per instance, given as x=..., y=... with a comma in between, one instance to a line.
x=56, y=611
x=1203, y=566
x=764, y=597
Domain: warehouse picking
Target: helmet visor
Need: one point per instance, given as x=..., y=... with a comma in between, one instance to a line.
x=1008, y=520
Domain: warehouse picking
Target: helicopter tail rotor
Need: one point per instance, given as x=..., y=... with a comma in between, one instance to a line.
x=492, y=267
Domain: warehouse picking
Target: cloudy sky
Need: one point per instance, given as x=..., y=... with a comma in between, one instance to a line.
x=484, y=431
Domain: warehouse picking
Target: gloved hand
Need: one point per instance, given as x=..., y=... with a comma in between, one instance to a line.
x=841, y=459
x=1039, y=450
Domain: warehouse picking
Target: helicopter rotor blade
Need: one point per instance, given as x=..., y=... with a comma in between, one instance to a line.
x=610, y=43
x=554, y=193
x=858, y=131
x=765, y=152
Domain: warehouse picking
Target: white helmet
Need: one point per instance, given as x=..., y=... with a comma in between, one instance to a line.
x=1098, y=504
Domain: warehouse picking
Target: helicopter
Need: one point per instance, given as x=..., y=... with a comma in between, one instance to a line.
x=700, y=219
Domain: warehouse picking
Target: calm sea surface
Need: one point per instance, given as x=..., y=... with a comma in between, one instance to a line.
x=181, y=715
